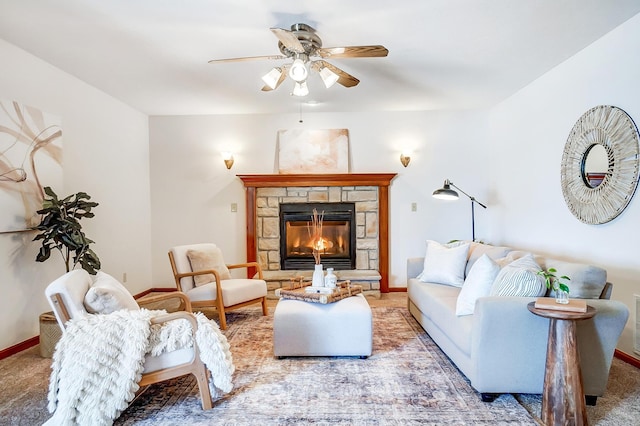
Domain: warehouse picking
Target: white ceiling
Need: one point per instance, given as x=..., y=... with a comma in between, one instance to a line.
x=443, y=54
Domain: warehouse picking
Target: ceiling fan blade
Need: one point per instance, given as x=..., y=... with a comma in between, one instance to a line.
x=345, y=79
x=249, y=58
x=375, y=51
x=289, y=40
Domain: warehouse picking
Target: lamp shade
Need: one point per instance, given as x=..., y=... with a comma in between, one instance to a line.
x=228, y=159
x=300, y=89
x=329, y=78
x=298, y=71
x=272, y=77
x=445, y=193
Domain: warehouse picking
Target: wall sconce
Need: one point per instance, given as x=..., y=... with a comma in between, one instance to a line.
x=405, y=159
x=228, y=159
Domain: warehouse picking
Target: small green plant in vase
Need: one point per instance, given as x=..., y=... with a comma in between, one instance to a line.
x=557, y=284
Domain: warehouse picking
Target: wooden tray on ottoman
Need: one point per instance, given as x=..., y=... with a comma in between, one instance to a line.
x=298, y=292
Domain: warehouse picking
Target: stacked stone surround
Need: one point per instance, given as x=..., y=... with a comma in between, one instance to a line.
x=268, y=202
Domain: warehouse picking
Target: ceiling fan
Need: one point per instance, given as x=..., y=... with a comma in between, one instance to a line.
x=303, y=45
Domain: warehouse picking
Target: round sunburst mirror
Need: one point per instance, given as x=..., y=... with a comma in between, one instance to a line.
x=599, y=171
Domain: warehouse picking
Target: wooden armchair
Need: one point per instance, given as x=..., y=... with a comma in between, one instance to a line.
x=66, y=295
x=198, y=268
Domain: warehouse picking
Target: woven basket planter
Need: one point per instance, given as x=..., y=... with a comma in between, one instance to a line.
x=50, y=333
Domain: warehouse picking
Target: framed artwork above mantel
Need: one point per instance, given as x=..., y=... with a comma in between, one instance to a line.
x=322, y=151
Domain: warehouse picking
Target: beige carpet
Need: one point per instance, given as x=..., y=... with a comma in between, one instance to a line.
x=407, y=381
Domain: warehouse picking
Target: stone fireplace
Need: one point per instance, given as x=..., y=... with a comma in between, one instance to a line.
x=266, y=197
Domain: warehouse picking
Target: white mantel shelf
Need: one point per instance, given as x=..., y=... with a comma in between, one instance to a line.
x=381, y=180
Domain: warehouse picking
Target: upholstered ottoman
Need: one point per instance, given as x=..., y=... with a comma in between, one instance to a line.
x=342, y=328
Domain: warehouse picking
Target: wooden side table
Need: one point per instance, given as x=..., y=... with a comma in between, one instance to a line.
x=563, y=395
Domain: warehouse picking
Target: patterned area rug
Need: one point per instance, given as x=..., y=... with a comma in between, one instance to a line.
x=407, y=380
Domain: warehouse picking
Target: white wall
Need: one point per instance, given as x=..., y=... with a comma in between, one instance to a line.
x=105, y=149
x=192, y=191
x=528, y=132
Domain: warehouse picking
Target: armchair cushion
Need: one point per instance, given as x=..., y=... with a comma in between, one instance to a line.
x=71, y=288
x=239, y=290
x=234, y=291
x=207, y=258
x=107, y=295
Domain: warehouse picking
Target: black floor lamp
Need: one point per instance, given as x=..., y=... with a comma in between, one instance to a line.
x=446, y=193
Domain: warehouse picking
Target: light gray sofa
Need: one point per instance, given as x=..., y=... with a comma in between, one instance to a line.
x=501, y=347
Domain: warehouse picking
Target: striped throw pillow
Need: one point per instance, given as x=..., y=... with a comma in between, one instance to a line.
x=520, y=278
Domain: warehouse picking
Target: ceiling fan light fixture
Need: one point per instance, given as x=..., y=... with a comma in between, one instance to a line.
x=272, y=77
x=302, y=48
x=300, y=89
x=329, y=78
x=298, y=71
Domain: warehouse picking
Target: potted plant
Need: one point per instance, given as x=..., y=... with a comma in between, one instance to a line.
x=61, y=230
x=554, y=282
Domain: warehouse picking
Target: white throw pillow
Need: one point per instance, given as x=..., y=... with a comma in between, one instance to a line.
x=520, y=278
x=207, y=259
x=107, y=295
x=477, y=284
x=444, y=265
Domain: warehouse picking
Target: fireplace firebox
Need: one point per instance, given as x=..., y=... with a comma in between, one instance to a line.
x=338, y=245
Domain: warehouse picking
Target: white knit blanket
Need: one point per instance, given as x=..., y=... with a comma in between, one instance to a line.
x=100, y=359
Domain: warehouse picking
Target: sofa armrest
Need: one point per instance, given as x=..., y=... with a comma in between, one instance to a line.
x=415, y=265
x=598, y=338
x=509, y=342
x=606, y=291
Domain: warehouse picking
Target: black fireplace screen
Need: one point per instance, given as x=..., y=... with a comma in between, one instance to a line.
x=337, y=247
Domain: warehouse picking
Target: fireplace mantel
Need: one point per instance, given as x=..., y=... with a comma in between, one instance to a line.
x=381, y=180
x=341, y=179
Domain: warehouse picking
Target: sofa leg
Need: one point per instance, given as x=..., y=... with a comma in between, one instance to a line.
x=590, y=399
x=488, y=397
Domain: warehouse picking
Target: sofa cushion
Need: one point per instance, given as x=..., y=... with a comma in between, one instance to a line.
x=444, y=265
x=517, y=254
x=438, y=302
x=586, y=281
x=520, y=278
x=477, y=284
x=476, y=250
